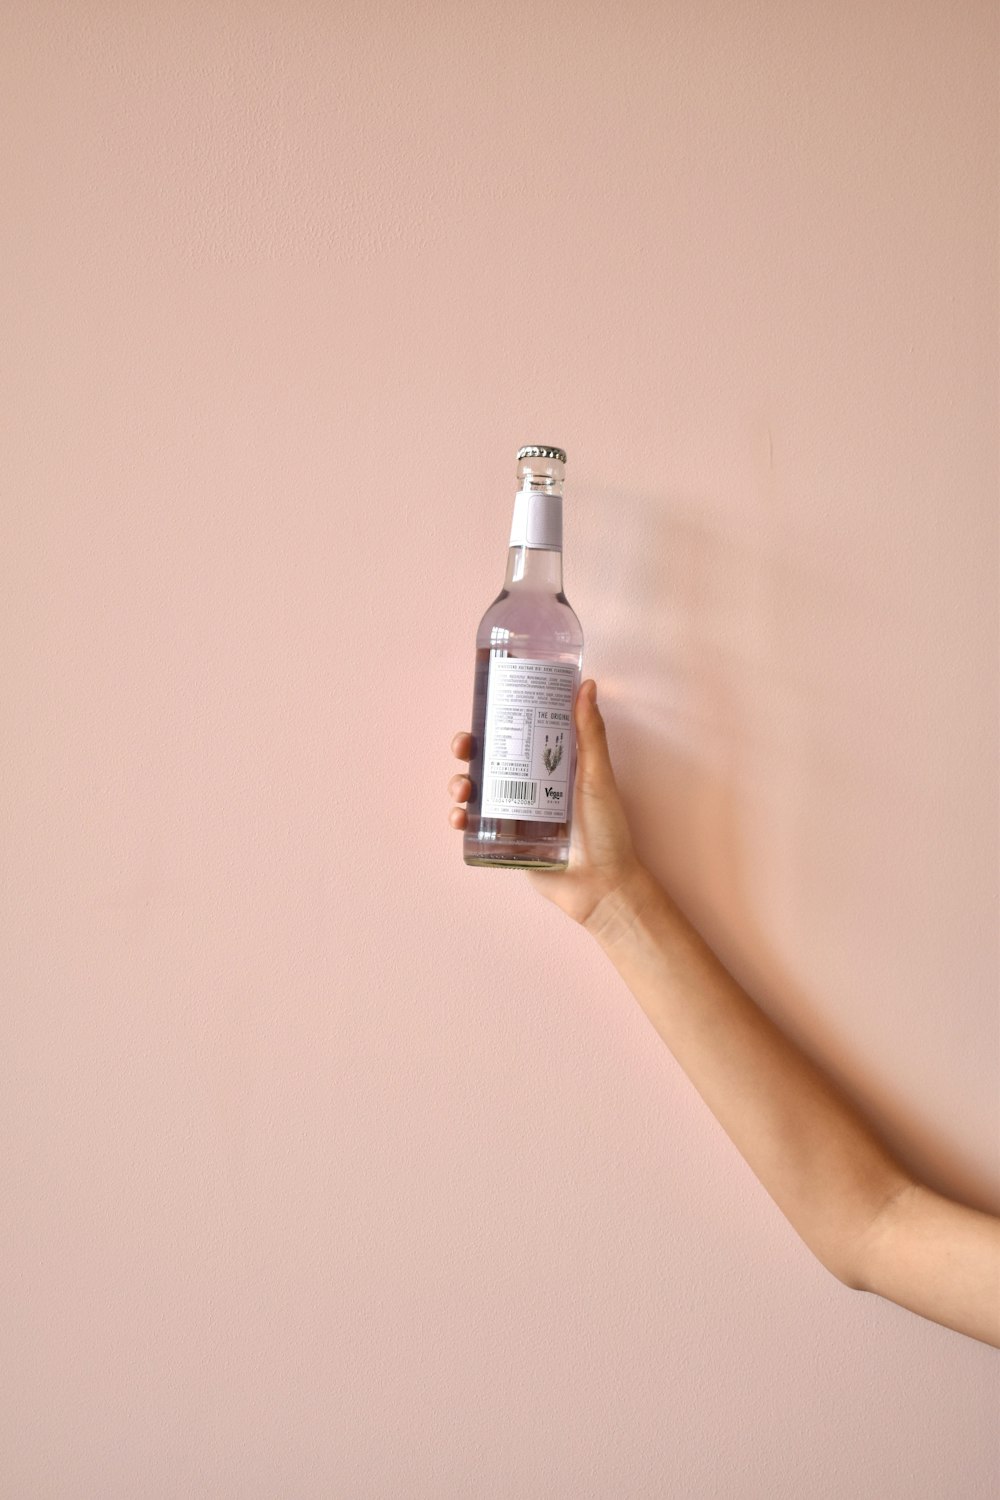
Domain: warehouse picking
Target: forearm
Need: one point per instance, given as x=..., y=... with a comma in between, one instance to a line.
x=821, y=1163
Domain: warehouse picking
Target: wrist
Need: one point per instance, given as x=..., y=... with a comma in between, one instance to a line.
x=619, y=912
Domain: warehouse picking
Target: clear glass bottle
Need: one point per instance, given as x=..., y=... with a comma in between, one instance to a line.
x=529, y=655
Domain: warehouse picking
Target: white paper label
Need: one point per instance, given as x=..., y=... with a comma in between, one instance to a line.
x=528, y=742
x=537, y=520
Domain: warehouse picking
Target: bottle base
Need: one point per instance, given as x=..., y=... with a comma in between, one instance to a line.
x=515, y=862
x=516, y=844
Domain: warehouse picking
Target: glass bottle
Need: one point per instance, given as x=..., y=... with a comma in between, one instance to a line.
x=529, y=655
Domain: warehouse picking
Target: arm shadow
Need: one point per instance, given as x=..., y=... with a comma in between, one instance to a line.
x=720, y=622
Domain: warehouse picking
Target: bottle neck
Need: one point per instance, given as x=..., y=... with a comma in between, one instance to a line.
x=534, y=561
x=534, y=570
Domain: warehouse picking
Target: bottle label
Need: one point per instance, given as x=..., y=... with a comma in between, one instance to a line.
x=537, y=521
x=528, y=740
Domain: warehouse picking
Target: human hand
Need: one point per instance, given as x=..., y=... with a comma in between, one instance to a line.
x=603, y=866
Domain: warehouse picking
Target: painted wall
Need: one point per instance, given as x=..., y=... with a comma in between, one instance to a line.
x=332, y=1168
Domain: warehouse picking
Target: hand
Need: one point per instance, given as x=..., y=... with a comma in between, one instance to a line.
x=603, y=865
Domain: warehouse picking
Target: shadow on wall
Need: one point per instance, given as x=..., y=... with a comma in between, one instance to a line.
x=725, y=737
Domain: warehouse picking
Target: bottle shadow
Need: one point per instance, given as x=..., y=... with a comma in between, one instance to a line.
x=691, y=754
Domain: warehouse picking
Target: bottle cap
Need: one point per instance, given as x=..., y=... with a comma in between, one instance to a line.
x=541, y=450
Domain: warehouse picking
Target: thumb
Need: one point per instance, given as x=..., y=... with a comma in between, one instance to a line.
x=594, y=776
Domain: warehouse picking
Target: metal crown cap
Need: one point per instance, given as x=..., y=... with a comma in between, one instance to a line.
x=540, y=450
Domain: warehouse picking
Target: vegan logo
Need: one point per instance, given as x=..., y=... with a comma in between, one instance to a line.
x=553, y=794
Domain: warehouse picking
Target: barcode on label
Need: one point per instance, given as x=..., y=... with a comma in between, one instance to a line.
x=505, y=790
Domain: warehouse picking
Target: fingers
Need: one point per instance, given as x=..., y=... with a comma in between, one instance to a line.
x=594, y=773
x=460, y=786
x=588, y=715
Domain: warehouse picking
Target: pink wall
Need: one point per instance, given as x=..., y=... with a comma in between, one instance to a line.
x=332, y=1168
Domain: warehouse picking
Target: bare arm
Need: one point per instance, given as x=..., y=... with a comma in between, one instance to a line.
x=938, y=1258
x=866, y=1219
x=871, y=1224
